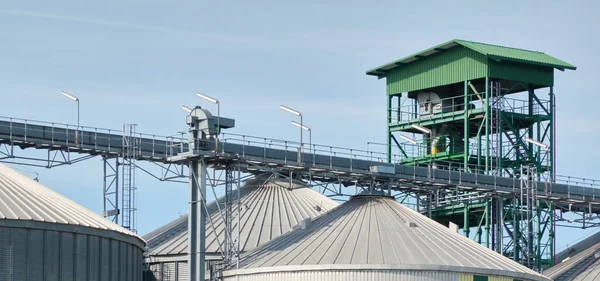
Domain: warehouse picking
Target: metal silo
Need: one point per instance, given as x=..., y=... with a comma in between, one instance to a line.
x=584, y=266
x=376, y=238
x=269, y=208
x=45, y=236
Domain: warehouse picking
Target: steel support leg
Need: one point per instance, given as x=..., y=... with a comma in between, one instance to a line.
x=197, y=221
x=110, y=190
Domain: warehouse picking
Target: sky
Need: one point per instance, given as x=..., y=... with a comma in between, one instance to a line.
x=137, y=62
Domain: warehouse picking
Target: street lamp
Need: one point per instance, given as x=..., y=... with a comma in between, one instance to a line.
x=544, y=146
x=408, y=139
x=537, y=143
x=426, y=131
x=213, y=100
x=76, y=99
x=187, y=109
x=421, y=128
x=297, y=113
x=306, y=129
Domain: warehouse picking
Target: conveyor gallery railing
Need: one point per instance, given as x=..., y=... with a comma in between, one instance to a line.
x=315, y=159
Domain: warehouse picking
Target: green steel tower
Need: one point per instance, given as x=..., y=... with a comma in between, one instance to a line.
x=485, y=109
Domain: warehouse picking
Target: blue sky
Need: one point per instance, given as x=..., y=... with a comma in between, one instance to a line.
x=139, y=61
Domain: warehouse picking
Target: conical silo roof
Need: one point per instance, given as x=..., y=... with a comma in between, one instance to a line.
x=584, y=266
x=376, y=232
x=269, y=208
x=26, y=201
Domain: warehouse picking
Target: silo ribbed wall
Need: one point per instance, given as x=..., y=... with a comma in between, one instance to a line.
x=28, y=254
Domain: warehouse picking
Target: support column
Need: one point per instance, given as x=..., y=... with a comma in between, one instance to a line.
x=538, y=246
x=197, y=221
x=499, y=225
x=466, y=126
x=110, y=190
x=552, y=236
x=389, y=133
x=530, y=129
x=516, y=230
x=552, y=125
x=479, y=152
x=399, y=103
x=487, y=124
x=466, y=228
x=487, y=223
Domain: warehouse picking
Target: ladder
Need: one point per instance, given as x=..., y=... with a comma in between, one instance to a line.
x=129, y=187
x=528, y=210
x=496, y=107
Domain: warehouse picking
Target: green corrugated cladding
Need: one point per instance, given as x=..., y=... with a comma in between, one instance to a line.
x=515, y=54
x=521, y=72
x=452, y=66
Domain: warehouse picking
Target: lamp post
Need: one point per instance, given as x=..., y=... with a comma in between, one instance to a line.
x=76, y=99
x=306, y=129
x=213, y=100
x=537, y=143
x=297, y=113
x=540, y=145
x=408, y=139
x=187, y=109
x=427, y=131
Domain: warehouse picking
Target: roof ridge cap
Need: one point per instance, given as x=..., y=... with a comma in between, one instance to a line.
x=458, y=41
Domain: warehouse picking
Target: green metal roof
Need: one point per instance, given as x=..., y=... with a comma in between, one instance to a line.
x=494, y=52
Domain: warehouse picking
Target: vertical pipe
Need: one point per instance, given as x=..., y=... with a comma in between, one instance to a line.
x=430, y=205
x=493, y=214
x=389, y=133
x=500, y=226
x=530, y=129
x=466, y=220
x=538, y=246
x=487, y=223
x=552, y=135
x=479, y=150
x=552, y=235
x=197, y=221
x=500, y=130
x=218, y=132
x=117, y=190
x=415, y=109
x=310, y=150
x=398, y=99
x=487, y=124
x=237, y=259
x=466, y=126
x=104, y=214
x=538, y=149
x=517, y=228
x=301, y=144
x=77, y=131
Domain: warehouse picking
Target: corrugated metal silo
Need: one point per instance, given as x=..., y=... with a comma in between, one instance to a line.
x=584, y=266
x=269, y=208
x=376, y=238
x=45, y=236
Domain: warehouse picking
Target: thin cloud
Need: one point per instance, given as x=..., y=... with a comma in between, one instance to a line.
x=118, y=24
x=338, y=40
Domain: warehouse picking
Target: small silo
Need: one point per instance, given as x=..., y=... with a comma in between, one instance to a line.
x=376, y=238
x=45, y=236
x=269, y=208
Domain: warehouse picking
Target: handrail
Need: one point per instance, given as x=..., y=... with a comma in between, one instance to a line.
x=171, y=145
x=407, y=113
